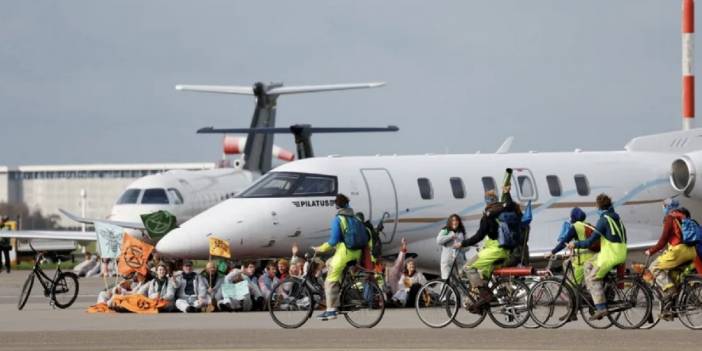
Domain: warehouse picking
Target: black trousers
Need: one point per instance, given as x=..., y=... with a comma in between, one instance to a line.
x=6, y=255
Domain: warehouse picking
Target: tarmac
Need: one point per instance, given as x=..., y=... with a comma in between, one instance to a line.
x=39, y=327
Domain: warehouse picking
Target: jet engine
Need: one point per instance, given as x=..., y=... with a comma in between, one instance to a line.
x=684, y=174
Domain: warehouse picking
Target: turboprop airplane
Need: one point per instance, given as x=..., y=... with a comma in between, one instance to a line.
x=413, y=196
x=187, y=193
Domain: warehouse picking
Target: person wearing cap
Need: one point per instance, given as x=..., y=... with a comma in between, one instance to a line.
x=160, y=288
x=676, y=252
x=579, y=230
x=5, y=247
x=492, y=254
x=342, y=256
x=192, y=290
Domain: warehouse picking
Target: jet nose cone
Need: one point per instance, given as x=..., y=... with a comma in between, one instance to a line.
x=181, y=243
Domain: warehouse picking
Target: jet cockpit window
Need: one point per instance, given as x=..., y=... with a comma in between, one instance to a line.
x=288, y=184
x=175, y=194
x=129, y=197
x=155, y=196
x=312, y=185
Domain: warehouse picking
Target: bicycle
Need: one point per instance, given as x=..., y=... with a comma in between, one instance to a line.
x=293, y=300
x=686, y=305
x=629, y=300
x=61, y=289
x=443, y=301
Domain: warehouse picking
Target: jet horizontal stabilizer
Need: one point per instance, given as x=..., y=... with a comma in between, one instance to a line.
x=294, y=128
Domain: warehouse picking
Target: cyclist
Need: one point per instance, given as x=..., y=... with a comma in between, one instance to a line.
x=492, y=253
x=579, y=230
x=342, y=256
x=676, y=253
x=612, y=235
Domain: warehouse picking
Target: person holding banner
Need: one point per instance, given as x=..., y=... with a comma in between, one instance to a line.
x=161, y=288
x=192, y=290
x=213, y=279
x=235, y=293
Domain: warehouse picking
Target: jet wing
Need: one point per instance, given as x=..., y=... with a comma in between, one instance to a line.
x=128, y=225
x=49, y=234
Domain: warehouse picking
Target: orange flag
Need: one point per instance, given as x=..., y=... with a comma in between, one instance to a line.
x=134, y=255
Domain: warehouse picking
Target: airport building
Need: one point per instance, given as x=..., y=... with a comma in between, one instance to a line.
x=50, y=188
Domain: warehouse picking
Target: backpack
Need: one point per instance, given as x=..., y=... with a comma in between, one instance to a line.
x=377, y=249
x=354, y=232
x=508, y=230
x=589, y=230
x=690, y=231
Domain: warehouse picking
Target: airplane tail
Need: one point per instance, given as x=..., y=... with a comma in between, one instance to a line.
x=259, y=146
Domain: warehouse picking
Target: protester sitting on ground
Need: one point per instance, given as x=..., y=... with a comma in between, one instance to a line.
x=133, y=284
x=249, y=270
x=86, y=266
x=106, y=268
x=161, y=288
x=235, y=303
x=297, y=263
x=394, y=272
x=95, y=270
x=283, y=269
x=192, y=290
x=154, y=260
x=213, y=280
x=410, y=282
x=268, y=279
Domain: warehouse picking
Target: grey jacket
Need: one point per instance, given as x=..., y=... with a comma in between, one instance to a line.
x=446, y=239
x=167, y=292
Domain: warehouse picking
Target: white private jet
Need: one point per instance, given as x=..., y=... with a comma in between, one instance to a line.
x=187, y=193
x=414, y=195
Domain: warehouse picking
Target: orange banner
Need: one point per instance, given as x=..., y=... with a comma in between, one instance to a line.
x=134, y=255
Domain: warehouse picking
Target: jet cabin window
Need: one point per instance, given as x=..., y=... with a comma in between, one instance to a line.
x=154, y=196
x=459, y=191
x=285, y=184
x=425, y=190
x=489, y=184
x=582, y=185
x=554, y=185
x=129, y=197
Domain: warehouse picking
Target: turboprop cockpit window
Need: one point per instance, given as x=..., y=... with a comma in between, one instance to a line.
x=155, y=196
x=175, y=194
x=284, y=184
x=129, y=197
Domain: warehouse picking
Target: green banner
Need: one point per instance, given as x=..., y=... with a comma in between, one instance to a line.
x=158, y=224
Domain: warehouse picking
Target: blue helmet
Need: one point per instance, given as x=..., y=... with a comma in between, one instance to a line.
x=577, y=215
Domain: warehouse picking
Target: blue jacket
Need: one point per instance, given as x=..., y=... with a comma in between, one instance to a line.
x=602, y=228
x=336, y=235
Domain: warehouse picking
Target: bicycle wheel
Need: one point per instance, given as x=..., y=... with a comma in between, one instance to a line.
x=510, y=307
x=26, y=291
x=656, y=310
x=465, y=318
x=65, y=290
x=362, y=303
x=290, y=303
x=632, y=303
x=551, y=303
x=436, y=303
x=690, y=305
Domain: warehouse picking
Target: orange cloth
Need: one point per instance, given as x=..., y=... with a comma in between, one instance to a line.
x=130, y=303
x=134, y=255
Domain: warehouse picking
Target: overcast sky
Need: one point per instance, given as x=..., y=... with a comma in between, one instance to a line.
x=92, y=81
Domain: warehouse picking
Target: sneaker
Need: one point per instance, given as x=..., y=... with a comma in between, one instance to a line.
x=190, y=309
x=599, y=314
x=327, y=315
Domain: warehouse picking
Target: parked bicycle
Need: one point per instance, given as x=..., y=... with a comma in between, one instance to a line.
x=555, y=301
x=61, y=289
x=293, y=300
x=443, y=301
x=686, y=304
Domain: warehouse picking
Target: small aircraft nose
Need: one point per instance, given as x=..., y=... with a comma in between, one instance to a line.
x=182, y=243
